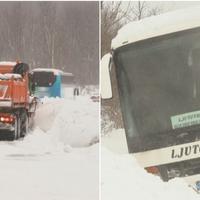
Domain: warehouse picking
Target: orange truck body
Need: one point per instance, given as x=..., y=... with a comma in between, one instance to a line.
x=14, y=92
x=17, y=105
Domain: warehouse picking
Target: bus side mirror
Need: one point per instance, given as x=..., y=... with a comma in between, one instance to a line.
x=106, y=89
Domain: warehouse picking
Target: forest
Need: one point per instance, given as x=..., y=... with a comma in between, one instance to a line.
x=62, y=35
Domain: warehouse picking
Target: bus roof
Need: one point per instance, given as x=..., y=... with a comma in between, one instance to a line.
x=159, y=25
x=55, y=71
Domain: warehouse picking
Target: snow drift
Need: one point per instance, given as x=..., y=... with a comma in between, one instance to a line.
x=123, y=178
x=63, y=123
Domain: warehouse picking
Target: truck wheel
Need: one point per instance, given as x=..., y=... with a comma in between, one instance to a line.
x=25, y=126
x=17, y=130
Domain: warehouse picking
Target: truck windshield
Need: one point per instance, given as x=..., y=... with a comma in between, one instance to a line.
x=43, y=79
x=158, y=79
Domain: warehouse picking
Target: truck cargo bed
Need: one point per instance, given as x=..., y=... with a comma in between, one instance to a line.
x=13, y=91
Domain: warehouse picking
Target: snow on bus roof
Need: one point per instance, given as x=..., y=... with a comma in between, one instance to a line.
x=7, y=63
x=56, y=71
x=154, y=26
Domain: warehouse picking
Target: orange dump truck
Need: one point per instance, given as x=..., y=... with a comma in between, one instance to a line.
x=17, y=105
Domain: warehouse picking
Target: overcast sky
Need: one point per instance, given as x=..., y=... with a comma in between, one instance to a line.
x=173, y=5
x=168, y=5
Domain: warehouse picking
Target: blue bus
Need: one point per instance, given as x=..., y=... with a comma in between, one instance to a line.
x=48, y=82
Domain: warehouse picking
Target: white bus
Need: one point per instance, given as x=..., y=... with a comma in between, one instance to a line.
x=157, y=64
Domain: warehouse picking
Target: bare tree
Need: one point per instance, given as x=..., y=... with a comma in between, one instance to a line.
x=112, y=19
x=154, y=11
x=141, y=9
x=48, y=22
x=138, y=10
x=63, y=35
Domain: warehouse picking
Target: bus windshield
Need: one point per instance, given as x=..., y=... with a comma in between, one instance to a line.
x=43, y=79
x=159, y=79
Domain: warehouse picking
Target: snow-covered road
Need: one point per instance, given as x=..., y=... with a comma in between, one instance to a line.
x=55, y=161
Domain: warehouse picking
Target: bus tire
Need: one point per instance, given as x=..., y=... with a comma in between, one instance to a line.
x=163, y=173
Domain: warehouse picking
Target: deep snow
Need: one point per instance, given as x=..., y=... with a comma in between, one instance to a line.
x=56, y=160
x=123, y=178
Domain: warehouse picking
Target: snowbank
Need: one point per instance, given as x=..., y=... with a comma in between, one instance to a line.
x=72, y=122
x=115, y=141
x=123, y=178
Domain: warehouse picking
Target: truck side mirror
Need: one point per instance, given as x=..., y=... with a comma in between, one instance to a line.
x=106, y=89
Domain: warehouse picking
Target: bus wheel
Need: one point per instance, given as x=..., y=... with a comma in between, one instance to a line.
x=163, y=173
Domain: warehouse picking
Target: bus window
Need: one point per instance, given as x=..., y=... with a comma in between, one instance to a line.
x=44, y=79
x=46, y=83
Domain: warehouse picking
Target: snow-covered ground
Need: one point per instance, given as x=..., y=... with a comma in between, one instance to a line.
x=123, y=178
x=59, y=159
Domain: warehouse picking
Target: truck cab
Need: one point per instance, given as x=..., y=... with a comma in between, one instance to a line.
x=157, y=62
